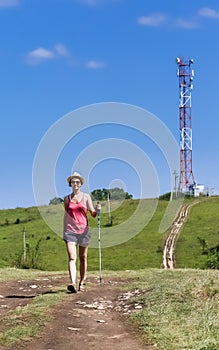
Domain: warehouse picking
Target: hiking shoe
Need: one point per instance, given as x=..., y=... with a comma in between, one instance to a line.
x=71, y=288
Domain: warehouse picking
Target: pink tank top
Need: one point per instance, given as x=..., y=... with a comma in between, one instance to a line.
x=75, y=218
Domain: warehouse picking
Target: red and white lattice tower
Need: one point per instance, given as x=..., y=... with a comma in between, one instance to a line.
x=185, y=74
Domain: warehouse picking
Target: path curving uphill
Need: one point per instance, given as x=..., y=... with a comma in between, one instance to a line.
x=170, y=242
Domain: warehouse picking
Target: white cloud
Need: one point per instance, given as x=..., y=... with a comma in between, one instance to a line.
x=95, y=64
x=180, y=22
x=61, y=50
x=41, y=54
x=160, y=19
x=207, y=12
x=9, y=3
x=38, y=55
x=154, y=20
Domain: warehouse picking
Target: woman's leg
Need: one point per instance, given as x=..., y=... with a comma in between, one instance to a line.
x=83, y=263
x=72, y=256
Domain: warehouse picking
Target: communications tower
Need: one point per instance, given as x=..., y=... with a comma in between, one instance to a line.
x=185, y=74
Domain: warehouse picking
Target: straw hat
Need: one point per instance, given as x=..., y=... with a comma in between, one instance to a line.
x=77, y=175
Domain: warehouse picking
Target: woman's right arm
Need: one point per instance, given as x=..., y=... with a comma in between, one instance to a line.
x=66, y=200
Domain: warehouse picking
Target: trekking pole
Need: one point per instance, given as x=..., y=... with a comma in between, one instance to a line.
x=99, y=246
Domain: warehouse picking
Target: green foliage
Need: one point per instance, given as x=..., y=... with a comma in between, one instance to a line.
x=56, y=200
x=98, y=195
x=165, y=196
x=30, y=258
x=119, y=194
x=203, y=244
x=114, y=194
x=212, y=254
x=213, y=258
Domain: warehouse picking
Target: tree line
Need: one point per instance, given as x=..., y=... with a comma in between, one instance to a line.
x=114, y=194
x=101, y=195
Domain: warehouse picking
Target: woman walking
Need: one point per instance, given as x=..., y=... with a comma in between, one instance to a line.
x=76, y=229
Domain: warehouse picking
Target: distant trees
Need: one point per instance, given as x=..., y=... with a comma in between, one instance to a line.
x=165, y=196
x=113, y=193
x=56, y=200
x=101, y=195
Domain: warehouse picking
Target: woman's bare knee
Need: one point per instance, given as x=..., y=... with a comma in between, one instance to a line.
x=72, y=259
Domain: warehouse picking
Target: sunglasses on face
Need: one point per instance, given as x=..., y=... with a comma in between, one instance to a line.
x=77, y=182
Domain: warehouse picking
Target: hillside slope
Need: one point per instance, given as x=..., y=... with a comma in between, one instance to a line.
x=46, y=249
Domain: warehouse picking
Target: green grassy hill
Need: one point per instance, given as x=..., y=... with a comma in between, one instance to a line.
x=202, y=226
x=46, y=249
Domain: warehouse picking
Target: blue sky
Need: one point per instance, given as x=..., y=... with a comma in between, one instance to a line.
x=58, y=56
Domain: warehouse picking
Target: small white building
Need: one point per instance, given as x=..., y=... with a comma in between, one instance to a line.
x=197, y=189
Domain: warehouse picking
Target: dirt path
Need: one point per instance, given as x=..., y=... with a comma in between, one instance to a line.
x=170, y=243
x=94, y=319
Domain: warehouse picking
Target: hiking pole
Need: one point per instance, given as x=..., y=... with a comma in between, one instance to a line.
x=99, y=245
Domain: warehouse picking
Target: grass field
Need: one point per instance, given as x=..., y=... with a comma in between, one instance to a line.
x=180, y=308
x=202, y=224
x=47, y=249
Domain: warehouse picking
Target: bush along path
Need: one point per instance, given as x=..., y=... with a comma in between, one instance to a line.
x=96, y=318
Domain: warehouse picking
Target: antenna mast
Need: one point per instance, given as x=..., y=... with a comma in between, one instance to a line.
x=185, y=74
